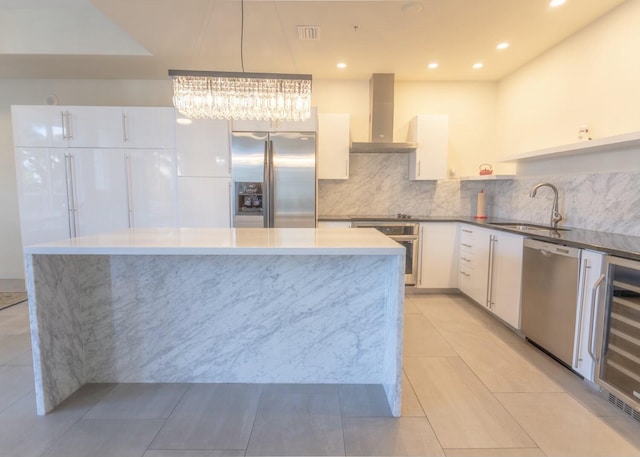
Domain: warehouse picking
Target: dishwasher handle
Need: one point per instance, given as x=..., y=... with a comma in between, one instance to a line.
x=594, y=312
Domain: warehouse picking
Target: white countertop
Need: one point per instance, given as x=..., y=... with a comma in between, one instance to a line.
x=222, y=241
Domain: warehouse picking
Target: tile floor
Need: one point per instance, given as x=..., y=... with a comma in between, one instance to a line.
x=471, y=388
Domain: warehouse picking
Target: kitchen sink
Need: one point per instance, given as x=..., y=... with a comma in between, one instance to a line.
x=529, y=227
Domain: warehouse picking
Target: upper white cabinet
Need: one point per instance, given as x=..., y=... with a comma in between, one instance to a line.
x=247, y=125
x=149, y=127
x=334, y=224
x=438, y=260
x=93, y=127
x=333, y=146
x=203, y=147
x=429, y=160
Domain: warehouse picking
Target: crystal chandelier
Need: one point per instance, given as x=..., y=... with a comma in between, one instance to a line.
x=225, y=95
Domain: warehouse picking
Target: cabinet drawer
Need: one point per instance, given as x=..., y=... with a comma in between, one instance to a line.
x=466, y=259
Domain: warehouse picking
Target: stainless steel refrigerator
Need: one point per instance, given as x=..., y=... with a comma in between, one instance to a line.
x=274, y=179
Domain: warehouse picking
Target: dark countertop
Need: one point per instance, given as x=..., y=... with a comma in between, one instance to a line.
x=610, y=243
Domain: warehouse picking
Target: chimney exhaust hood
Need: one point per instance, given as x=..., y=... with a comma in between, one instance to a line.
x=381, y=90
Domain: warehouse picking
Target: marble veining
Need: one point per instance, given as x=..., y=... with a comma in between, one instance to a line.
x=378, y=184
x=245, y=319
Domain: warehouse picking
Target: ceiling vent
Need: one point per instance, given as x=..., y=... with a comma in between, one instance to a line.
x=308, y=32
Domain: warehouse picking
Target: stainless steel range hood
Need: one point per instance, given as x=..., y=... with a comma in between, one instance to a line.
x=381, y=91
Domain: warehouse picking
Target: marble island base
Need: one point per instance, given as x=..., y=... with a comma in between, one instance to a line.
x=215, y=319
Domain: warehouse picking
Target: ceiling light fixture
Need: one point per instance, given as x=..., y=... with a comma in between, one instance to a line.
x=555, y=3
x=502, y=46
x=232, y=95
x=478, y=65
x=433, y=65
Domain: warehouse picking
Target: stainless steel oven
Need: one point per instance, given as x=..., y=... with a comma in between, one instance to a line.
x=405, y=233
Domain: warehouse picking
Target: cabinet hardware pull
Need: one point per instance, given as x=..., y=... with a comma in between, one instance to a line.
x=125, y=127
x=467, y=231
x=594, y=309
x=577, y=357
x=346, y=168
x=467, y=245
x=465, y=273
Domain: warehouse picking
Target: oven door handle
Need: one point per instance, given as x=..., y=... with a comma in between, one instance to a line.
x=403, y=237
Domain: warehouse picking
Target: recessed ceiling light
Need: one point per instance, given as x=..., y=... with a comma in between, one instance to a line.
x=183, y=121
x=341, y=65
x=478, y=65
x=503, y=45
x=411, y=7
x=433, y=65
x=554, y=3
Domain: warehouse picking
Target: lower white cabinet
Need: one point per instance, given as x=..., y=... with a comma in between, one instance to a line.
x=505, y=276
x=437, y=261
x=591, y=267
x=204, y=202
x=490, y=270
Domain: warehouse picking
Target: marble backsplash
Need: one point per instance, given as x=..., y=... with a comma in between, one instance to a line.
x=378, y=185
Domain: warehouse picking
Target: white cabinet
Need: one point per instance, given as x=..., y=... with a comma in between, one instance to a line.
x=204, y=202
x=36, y=126
x=248, y=125
x=334, y=224
x=99, y=190
x=333, y=146
x=42, y=194
x=473, y=262
x=149, y=127
x=152, y=185
x=505, y=276
x=429, y=160
x=591, y=268
x=438, y=259
x=90, y=127
x=203, y=147
x=93, y=126
x=490, y=270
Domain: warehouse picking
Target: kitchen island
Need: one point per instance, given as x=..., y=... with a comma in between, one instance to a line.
x=216, y=306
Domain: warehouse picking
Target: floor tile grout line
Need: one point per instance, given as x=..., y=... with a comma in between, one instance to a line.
x=344, y=440
x=424, y=411
x=255, y=418
x=166, y=419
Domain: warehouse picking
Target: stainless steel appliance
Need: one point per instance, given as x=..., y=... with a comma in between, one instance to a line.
x=550, y=275
x=615, y=334
x=274, y=179
x=405, y=233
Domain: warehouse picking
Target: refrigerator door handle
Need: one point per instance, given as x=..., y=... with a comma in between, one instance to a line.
x=266, y=192
x=272, y=188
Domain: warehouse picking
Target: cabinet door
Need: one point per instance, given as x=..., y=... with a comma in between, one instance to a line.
x=99, y=190
x=94, y=127
x=149, y=127
x=37, y=126
x=152, y=187
x=333, y=146
x=474, y=277
x=203, y=147
x=506, y=277
x=590, y=270
x=429, y=160
x=204, y=202
x=438, y=261
x=42, y=194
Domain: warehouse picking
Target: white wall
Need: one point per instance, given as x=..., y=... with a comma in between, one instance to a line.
x=589, y=79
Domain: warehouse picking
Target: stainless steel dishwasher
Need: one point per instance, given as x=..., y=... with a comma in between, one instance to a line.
x=550, y=275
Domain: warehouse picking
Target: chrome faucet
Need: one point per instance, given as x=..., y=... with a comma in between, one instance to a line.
x=555, y=215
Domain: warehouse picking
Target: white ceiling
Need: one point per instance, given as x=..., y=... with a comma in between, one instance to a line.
x=142, y=39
